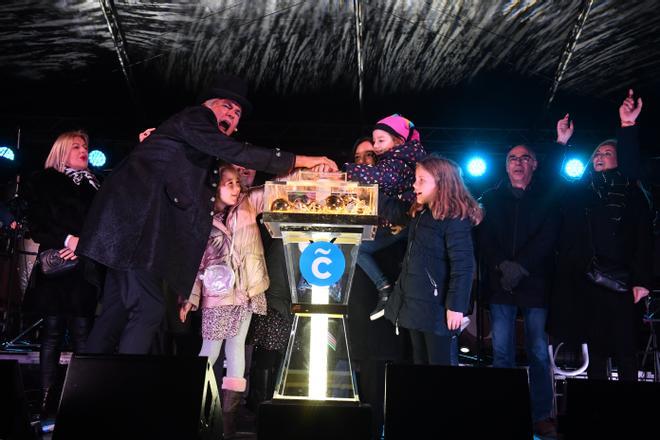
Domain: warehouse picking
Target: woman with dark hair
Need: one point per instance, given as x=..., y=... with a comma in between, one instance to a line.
x=606, y=228
x=363, y=152
x=58, y=199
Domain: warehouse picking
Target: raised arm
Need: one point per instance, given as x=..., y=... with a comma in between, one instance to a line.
x=557, y=160
x=627, y=150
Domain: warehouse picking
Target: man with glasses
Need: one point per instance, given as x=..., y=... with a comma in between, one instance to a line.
x=517, y=240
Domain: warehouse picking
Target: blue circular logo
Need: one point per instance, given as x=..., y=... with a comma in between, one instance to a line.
x=322, y=263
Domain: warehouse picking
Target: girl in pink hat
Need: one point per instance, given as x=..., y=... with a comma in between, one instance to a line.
x=398, y=147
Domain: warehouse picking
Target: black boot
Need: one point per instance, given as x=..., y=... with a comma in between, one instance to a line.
x=44, y=410
x=49, y=360
x=79, y=330
x=260, y=389
x=383, y=296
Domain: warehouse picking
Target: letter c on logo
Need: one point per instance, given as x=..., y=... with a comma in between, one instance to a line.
x=315, y=267
x=324, y=269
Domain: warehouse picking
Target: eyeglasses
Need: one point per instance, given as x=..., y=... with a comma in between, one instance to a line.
x=525, y=158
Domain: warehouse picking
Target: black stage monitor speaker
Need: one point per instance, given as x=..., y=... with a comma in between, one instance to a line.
x=127, y=396
x=318, y=420
x=437, y=402
x=603, y=409
x=14, y=413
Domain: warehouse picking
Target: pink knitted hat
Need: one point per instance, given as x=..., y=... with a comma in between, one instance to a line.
x=397, y=125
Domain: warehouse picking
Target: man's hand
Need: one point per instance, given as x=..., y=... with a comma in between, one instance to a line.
x=145, y=134
x=321, y=168
x=319, y=163
x=454, y=319
x=512, y=274
x=639, y=293
x=564, y=130
x=628, y=112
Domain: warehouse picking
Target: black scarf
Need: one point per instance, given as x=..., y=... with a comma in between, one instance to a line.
x=78, y=175
x=611, y=189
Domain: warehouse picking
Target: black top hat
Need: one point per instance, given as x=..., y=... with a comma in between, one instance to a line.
x=228, y=87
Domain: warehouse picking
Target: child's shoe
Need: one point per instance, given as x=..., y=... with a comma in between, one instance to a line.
x=383, y=295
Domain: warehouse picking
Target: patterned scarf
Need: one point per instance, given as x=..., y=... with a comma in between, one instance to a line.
x=78, y=175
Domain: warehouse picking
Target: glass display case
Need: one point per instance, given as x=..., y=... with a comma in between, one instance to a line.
x=322, y=218
x=320, y=199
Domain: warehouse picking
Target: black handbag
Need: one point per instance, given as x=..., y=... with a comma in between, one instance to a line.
x=613, y=277
x=52, y=264
x=616, y=279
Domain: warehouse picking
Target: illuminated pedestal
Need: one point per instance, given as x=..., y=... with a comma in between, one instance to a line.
x=322, y=219
x=317, y=361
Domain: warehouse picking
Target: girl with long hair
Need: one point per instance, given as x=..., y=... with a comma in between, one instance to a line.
x=433, y=291
x=230, y=285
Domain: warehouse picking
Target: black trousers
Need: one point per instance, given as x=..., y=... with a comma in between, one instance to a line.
x=431, y=349
x=52, y=336
x=132, y=310
x=371, y=385
x=612, y=321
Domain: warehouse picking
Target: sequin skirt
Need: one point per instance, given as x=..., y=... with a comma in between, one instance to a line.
x=223, y=322
x=271, y=331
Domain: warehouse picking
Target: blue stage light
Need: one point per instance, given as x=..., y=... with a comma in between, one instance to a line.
x=7, y=153
x=476, y=166
x=574, y=168
x=97, y=158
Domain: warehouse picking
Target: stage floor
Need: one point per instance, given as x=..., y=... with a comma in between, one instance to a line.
x=29, y=361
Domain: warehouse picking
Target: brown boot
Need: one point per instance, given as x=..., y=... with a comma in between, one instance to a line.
x=230, y=401
x=232, y=393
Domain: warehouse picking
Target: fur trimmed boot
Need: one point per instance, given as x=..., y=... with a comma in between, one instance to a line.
x=232, y=393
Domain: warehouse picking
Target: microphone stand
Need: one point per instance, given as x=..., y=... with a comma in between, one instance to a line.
x=480, y=317
x=12, y=253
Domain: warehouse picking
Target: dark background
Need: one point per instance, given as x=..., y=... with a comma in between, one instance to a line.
x=475, y=77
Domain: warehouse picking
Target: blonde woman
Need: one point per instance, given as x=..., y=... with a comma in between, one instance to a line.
x=58, y=199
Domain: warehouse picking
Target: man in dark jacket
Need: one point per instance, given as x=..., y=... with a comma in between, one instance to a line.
x=151, y=220
x=517, y=240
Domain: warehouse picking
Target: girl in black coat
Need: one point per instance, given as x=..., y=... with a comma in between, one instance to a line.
x=433, y=290
x=58, y=199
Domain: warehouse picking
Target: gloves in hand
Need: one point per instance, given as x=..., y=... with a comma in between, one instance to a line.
x=512, y=274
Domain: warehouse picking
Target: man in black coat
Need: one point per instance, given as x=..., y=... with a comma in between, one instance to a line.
x=151, y=220
x=517, y=240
